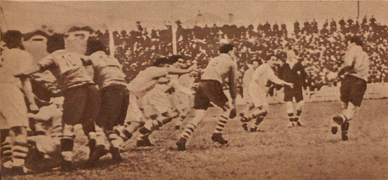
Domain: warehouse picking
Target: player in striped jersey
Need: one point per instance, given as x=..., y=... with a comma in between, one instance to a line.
x=13, y=109
x=114, y=94
x=353, y=85
x=81, y=97
x=258, y=91
x=210, y=91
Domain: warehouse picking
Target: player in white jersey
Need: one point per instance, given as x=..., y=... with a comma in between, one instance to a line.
x=114, y=95
x=139, y=87
x=81, y=97
x=163, y=101
x=247, y=79
x=13, y=109
x=353, y=85
x=210, y=91
x=258, y=92
x=183, y=92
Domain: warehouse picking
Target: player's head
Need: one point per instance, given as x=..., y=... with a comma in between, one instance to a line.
x=227, y=49
x=93, y=45
x=55, y=42
x=13, y=39
x=176, y=61
x=273, y=60
x=160, y=62
x=255, y=63
x=76, y=38
x=354, y=39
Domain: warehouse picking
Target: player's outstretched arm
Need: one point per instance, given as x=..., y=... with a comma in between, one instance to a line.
x=29, y=71
x=276, y=80
x=173, y=70
x=27, y=88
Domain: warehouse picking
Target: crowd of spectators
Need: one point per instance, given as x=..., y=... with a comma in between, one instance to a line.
x=321, y=49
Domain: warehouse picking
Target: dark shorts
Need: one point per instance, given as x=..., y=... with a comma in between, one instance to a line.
x=352, y=90
x=295, y=92
x=209, y=91
x=81, y=106
x=114, y=105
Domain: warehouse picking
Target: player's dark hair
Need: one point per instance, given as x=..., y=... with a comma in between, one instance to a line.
x=256, y=60
x=55, y=42
x=160, y=61
x=29, y=35
x=80, y=28
x=269, y=56
x=174, y=58
x=94, y=45
x=355, y=39
x=226, y=48
x=13, y=39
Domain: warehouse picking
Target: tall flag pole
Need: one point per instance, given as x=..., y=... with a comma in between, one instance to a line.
x=358, y=9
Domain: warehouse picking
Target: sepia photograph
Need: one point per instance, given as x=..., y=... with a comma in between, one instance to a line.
x=194, y=90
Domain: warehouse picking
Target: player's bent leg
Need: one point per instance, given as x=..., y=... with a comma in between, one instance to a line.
x=19, y=150
x=299, y=107
x=222, y=121
x=290, y=113
x=182, y=116
x=189, y=128
x=67, y=144
x=6, y=151
x=116, y=141
x=259, y=117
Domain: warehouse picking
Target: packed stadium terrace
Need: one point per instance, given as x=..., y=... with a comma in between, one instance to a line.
x=322, y=49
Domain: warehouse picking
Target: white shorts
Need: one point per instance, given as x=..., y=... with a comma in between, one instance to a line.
x=258, y=95
x=134, y=114
x=13, y=109
x=181, y=101
x=247, y=97
x=156, y=102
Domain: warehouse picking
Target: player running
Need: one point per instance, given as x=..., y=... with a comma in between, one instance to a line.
x=258, y=92
x=353, y=85
x=143, y=84
x=210, y=91
x=247, y=79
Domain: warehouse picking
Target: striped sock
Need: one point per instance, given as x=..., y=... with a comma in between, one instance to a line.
x=258, y=121
x=189, y=129
x=298, y=113
x=6, y=153
x=115, y=139
x=19, y=145
x=291, y=117
x=67, y=144
x=221, y=124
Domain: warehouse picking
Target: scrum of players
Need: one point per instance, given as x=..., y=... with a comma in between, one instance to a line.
x=38, y=129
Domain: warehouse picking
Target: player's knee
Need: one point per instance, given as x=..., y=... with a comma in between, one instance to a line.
x=289, y=107
x=300, y=105
x=264, y=113
x=165, y=114
x=67, y=144
x=154, y=116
